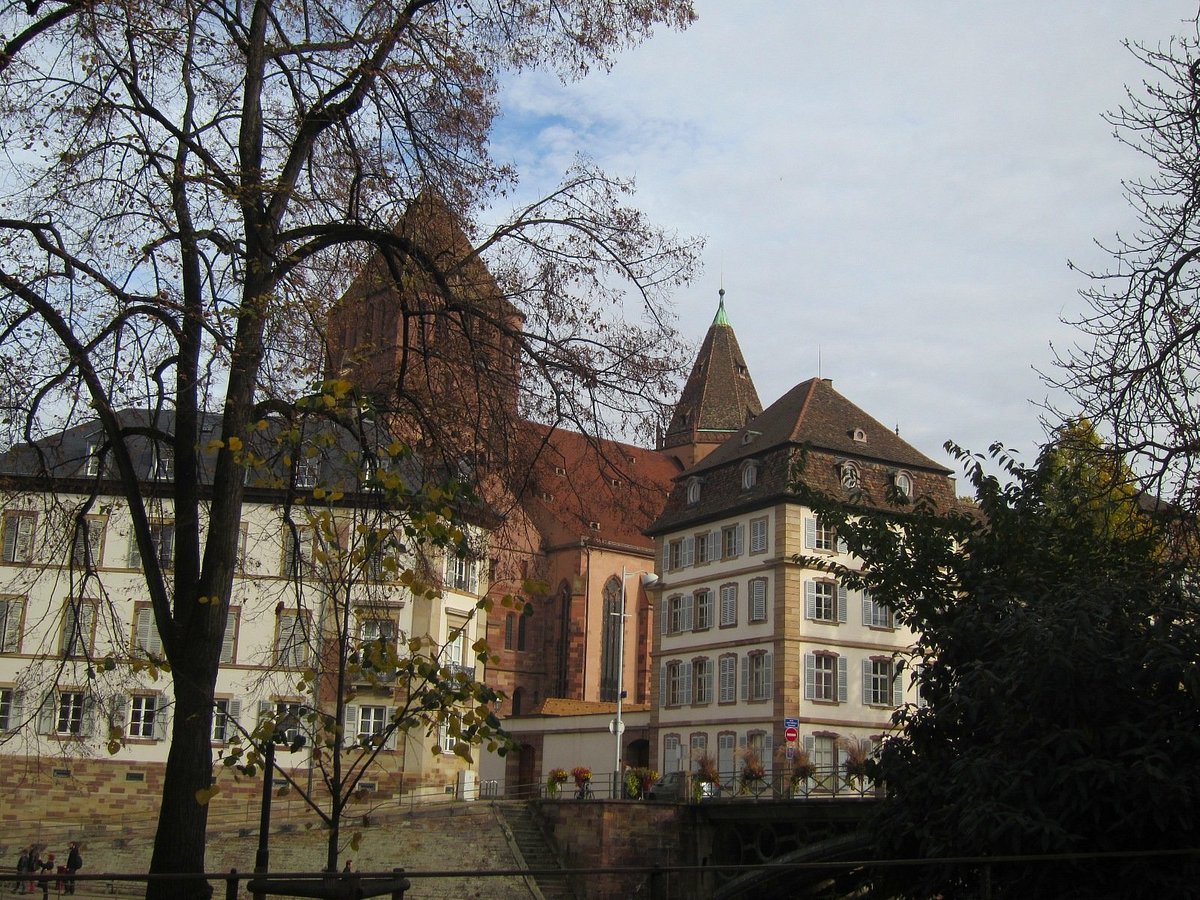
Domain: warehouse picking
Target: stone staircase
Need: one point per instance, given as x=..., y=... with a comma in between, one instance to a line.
x=535, y=849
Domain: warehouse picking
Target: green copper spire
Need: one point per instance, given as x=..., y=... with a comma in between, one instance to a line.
x=721, y=318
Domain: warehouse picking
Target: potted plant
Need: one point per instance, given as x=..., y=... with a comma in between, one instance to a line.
x=857, y=752
x=797, y=768
x=582, y=775
x=704, y=777
x=556, y=778
x=753, y=773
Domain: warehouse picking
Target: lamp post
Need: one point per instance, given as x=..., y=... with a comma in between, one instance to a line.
x=648, y=579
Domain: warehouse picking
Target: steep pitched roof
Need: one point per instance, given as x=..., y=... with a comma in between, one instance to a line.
x=603, y=491
x=814, y=414
x=719, y=396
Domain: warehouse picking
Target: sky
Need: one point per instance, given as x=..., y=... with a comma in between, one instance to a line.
x=890, y=192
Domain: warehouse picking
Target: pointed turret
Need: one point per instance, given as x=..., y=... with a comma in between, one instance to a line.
x=718, y=399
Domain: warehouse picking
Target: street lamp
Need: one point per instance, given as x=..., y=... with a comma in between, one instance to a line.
x=648, y=579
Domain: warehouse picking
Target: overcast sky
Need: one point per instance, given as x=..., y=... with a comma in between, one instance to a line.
x=890, y=191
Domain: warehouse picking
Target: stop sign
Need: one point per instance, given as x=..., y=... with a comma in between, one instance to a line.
x=791, y=733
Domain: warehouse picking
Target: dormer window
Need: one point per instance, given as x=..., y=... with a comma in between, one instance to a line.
x=693, y=490
x=903, y=483
x=860, y=436
x=749, y=475
x=560, y=471
x=749, y=436
x=595, y=526
x=849, y=476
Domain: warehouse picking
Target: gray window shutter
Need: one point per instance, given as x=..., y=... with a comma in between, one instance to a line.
x=685, y=620
x=234, y=715
x=897, y=689
x=810, y=533
x=841, y=603
x=46, y=713
x=12, y=625
x=390, y=742
x=810, y=747
x=745, y=691
x=350, y=725
x=148, y=640
x=810, y=676
x=227, y=640
x=664, y=672
x=664, y=624
x=265, y=708
x=16, y=711
x=162, y=718
x=843, y=693
x=120, y=714
x=11, y=525
x=689, y=551
x=842, y=546
x=768, y=759
x=866, y=681
x=739, y=539
x=769, y=662
x=810, y=600
x=89, y=716
x=666, y=555
x=868, y=610
x=686, y=699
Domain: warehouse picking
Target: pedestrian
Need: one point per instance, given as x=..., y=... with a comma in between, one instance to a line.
x=47, y=866
x=346, y=868
x=74, y=864
x=20, y=885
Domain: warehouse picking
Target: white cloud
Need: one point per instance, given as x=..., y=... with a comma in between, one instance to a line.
x=899, y=185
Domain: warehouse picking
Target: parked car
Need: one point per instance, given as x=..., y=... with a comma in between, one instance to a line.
x=674, y=786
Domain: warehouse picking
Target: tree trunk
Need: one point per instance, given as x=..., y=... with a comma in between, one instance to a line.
x=179, y=843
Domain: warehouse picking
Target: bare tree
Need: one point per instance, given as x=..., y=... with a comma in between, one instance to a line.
x=1135, y=372
x=190, y=185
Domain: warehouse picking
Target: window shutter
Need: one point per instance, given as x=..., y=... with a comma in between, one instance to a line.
x=841, y=603
x=897, y=689
x=12, y=625
x=843, y=693
x=810, y=676
x=712, y=539
x=46, y=713
x=666, y=557
x=685, y=619
x=810, y=533
x=664, y=616
x=768, y=759
x=228, y=638
x=135, y=556
x=739, y=539
x=810, y=746
x=689, y=551
x=350, y=725
x=866, y=681
x=745, y=691
x=472, y=576
x=664, y=672
x=389, y=742
x=868, y=609
x=810, y=599
x=162, y=718
x=16, y=710
x=842, y=546
x=264, y=709
x=686, y=675
x=758, y=598
x=233, y=715
x=708, y=680
x=89, y=716
x=769, y=679
x=11, y=526
x=148, y=640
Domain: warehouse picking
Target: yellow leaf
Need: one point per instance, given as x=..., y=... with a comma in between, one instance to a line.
x=235, y=443
x=205, y=794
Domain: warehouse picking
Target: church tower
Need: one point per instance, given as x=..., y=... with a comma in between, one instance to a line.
x=718, y=399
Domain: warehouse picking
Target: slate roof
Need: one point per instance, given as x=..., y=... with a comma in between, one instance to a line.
x=719, y=397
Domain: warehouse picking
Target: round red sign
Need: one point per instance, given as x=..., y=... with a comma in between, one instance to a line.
x=791, y=734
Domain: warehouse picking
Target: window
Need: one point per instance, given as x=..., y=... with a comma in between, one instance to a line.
x=11, y=611
x=849, y=476
x=508, y=631
x=757, y=675
x=88, y=543
x=225, y=715
x=146, y=718
x=731, y=541
x=307, y=472
x=78, y=624
x=611, y=639
x=462, y=574
x=702, y=681
x=728, y=605
x=881, y=687
x=726, y=747
x=903, y=483
x=676, y=687
x=706, y=547
x=825, y=677
x=819, y=536
x=702, y=602
x=164, y=463
x=382, y=630
x=288, y=716
x=749, y=475
x=365, y=723
x=91, y=466
x=672, y=754
x=162, y=539
x=758, y=535
x=758, y=600
x=677, y=614
x=291, y=648
x=876, y=615
x=146, y=640
x=18, y=536
x=69, y=718
x=699, y=749
x=448, y=735
x=10, y=709
x=297, y=550
x=680, y=553
x=825, y=601
x=521, y=632
x=727, y=684
x=693, y=490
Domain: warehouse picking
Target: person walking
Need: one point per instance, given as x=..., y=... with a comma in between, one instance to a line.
x=21, y=885
x=44, y=867
x=74, y=864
